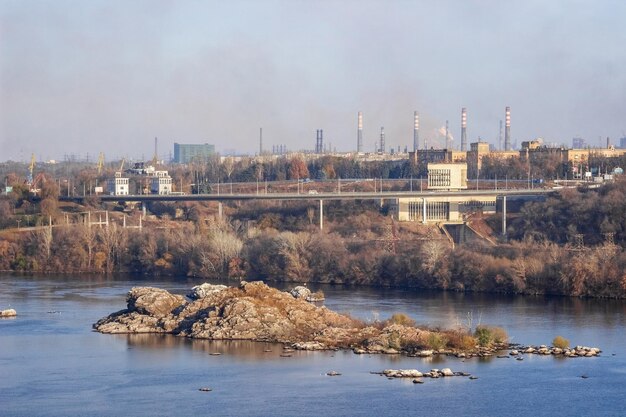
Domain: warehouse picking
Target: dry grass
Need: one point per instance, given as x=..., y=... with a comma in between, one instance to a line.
x=461, y=340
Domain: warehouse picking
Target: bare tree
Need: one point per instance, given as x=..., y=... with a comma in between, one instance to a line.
x=310, y=213
x=88, y=236
x=432, y=252
x=112, y=239
x=228, y=166
x=225, y=246
x=294, y=247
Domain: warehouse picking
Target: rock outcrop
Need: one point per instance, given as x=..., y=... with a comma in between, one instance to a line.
x=253, y=311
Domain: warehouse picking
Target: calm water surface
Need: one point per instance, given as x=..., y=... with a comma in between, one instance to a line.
x=53, y=364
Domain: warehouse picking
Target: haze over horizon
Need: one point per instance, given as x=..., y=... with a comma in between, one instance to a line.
x=100, y=76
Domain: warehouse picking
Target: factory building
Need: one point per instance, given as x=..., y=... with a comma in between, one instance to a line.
x=447, y=176
x=118, y=185
x=443, y=209
x=160, y=183
x=187, y=153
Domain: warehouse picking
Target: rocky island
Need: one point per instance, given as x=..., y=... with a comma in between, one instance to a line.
x=255, y=311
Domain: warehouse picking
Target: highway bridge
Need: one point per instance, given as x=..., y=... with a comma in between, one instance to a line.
x=470, y=194
x=426, y=206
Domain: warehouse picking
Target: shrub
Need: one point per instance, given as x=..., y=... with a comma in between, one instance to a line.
x=483, y=334
x=436, y=341
x=461, y=340
x=488, y=335
x=403, y=319
x=499, y=335
x=560, y=342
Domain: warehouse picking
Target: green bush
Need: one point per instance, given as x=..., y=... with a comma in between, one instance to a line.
x=483, y=335
x=560, y=342
x=487, y=335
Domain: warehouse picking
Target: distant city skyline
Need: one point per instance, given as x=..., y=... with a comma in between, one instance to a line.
x=80, y=78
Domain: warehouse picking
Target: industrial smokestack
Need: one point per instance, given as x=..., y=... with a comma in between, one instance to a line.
x=416, y=131
x=317, y=142
x=359, y=133
x=260, y=141
x=500, y=137
x=382, y=140
x=321, y=141
x=447, y=137
x=507, y=129
x=463, y=129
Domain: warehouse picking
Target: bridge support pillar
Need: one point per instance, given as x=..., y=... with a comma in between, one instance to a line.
x=424, y=210
x=220, y=210
x=321, y=215
x=504, y=215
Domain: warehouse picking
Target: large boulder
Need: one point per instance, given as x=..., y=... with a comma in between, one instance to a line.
x=301, y=292
x=154, y=302
x=204, y=290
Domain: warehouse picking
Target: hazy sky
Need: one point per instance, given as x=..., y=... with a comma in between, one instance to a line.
x=81, y=77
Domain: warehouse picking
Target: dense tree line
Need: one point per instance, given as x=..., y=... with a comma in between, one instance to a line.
x=283, y=244
x=594, y=213
x=570, y=244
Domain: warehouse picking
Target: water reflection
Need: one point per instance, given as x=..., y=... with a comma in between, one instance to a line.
x=241, y=349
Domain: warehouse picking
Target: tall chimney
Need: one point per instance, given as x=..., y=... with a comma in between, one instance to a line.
x=359, y=133
x=447, y=137
x=260, y=141
x=416, y=131
x=463, y=129
x=500, y=137
x=382, y=140
x=321, y=141
x=507, y=129
x=317, y=141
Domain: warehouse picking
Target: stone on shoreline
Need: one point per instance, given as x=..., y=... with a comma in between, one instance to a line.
x=8, y=313
x=300, y=292
x=309, y=346
x=303, y=292
x=414, y=373
x=204, y=290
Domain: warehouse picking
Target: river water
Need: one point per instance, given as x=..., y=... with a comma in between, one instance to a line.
x=53, y=364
